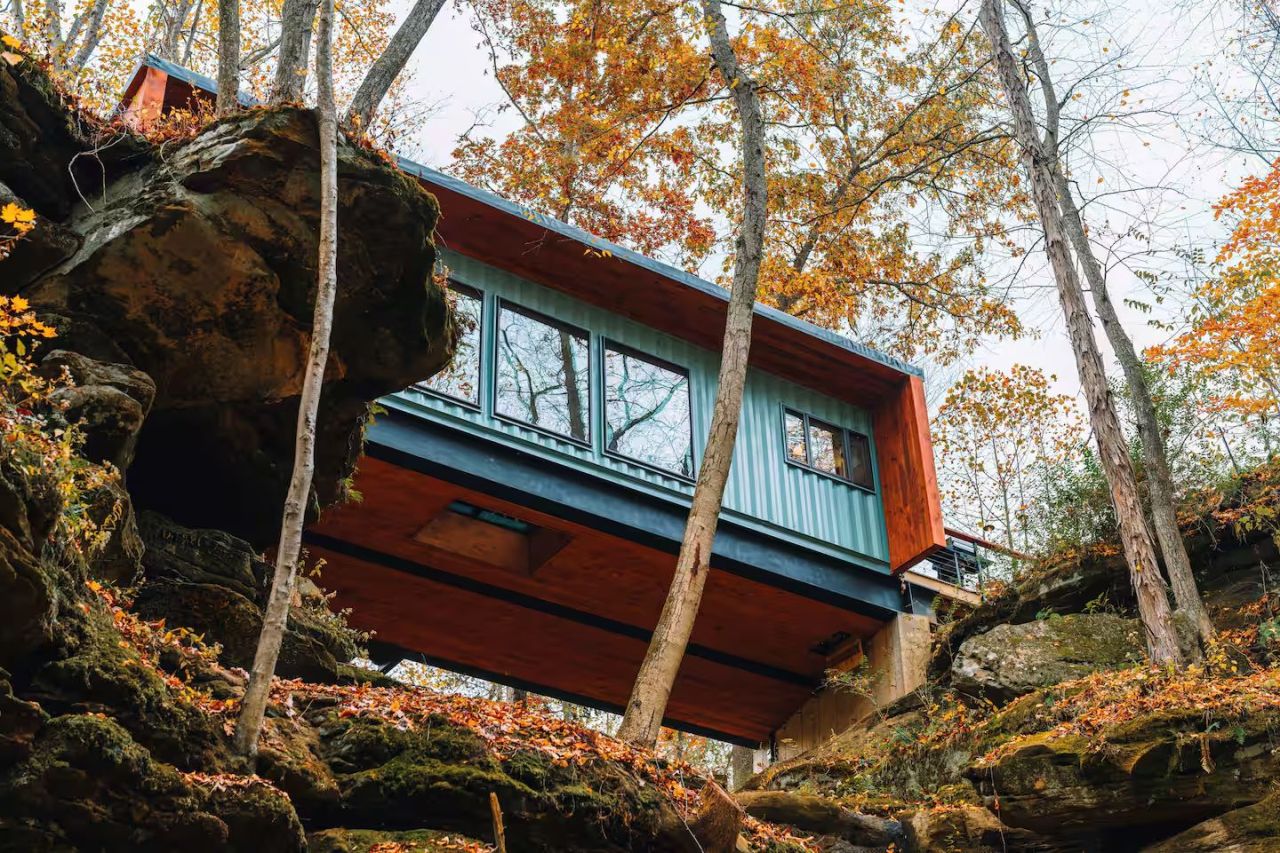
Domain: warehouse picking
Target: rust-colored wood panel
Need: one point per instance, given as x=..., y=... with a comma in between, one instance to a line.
x=489, y=634
x=145, y=97
x=908, y=479
x=593, y=572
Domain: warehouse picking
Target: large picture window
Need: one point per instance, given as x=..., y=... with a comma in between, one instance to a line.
x=461, y=379
x=543, y=373
x=646, y=410
x=819, y=446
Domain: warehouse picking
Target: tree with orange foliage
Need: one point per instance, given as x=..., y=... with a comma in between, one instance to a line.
x=1233, y=337
x=603, y=91
x=883, y=172
x=1002, y=437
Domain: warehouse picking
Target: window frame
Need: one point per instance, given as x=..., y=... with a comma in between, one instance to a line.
x=608, y=344
x=546, y=320
x=847, y=438
x=477, y=406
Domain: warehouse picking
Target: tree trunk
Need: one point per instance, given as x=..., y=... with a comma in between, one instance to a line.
x=254, y=705
x=296, y=17
x=1149, y=587
x=1164, y=517
x=649, y=695
x=228, y=56
x=1159, y=479
x=378, y=79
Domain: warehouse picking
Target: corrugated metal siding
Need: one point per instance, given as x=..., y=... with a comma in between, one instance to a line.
x=764, y=491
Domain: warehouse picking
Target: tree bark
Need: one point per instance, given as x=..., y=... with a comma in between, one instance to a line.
x=647, y=705
x=228, y=56
x=254, y=704
x=1164, y=517
x=296, y=17
x=1149, y=587
x=384, y=71
x=1159, y=479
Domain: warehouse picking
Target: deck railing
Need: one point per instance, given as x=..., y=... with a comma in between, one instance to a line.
x=968, y=561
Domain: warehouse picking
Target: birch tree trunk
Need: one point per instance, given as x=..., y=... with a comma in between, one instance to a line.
x=1149, y=587
x=254, y=704
x=296, y=17
x=648, y=703
x=228, y=56
x=384, y=71
x=1159, y=479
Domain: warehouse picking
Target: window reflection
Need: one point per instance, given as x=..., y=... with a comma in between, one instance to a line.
x=795, y=439
x=461, y=379
x=826, y=448
x=647, y=411
x=860, y=460
x=833, y=450
x=543, y=375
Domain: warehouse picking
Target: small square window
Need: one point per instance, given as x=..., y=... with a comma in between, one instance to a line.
x=828, y=449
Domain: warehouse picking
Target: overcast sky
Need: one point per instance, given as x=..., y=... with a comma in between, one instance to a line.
x=1153, y=176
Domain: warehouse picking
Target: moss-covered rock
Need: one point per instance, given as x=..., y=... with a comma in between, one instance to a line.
x=366, y=840
x=1011, y=660
x=440, y=775
x=216, y=585
x=1159, y=771
x=97, y=672
x=1252, y=829
x=88, y=785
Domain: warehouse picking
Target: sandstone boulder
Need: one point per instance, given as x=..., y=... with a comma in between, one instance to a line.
x=1157, y=771
x=198, y=269
x=216, y=585
x=1252, y=829
x=821, y=816
x=1011, y=660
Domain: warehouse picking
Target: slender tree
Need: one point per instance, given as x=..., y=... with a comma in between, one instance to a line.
x=254, y=704
x=378, y=79
x=648, y=703
x=1164, y=516
x=1038, y=163
x=228, y=56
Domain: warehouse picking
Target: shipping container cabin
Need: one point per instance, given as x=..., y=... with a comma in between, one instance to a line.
x=522, y=510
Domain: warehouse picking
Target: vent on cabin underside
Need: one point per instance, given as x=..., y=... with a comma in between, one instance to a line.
x=487, y=536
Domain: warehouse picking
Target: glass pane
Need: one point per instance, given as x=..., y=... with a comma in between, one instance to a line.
x=543, y=374
x=461, y=379
x=794, y=425
x=826, y=444
x=860, y=460
x=647, y=412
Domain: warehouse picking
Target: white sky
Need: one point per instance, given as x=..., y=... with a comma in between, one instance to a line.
x=1169, y=56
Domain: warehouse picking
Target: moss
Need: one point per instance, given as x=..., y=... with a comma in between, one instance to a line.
x=351, y=674
x=103, y=672
x=364, y=840
x=1261, y=820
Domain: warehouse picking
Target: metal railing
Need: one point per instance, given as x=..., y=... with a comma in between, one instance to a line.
x=966, y=562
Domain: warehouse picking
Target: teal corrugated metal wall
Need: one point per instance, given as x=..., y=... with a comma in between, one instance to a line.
x=764, y=492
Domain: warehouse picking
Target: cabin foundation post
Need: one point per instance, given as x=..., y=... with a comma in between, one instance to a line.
x=897, y=657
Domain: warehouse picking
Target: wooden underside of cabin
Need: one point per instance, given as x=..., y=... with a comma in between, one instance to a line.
x=563, y=608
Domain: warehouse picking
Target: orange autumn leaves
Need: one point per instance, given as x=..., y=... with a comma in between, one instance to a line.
x=1233, y=339
x=886, y=177
x=1002, y=438
x=15, y=223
